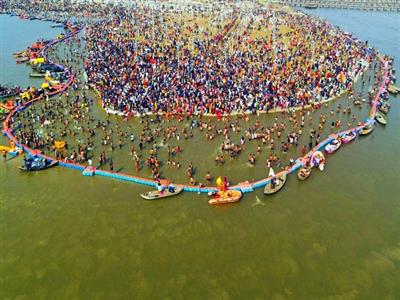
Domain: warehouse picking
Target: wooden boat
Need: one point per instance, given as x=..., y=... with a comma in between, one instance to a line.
x=280, y=182
x=154, y=195
x=224, y=197
x=333, y=146
x=310, y=6
x=37, y=74
x=22, y=60
x=367, y=129
x=19, y=53
x=304, y=173
x=393, y=89
x=348, y=137
x=57, y=26
x=318, y=160
x=41, y=167
x=380, y=118
x=384, y=108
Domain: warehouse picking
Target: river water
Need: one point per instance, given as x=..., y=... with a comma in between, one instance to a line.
x=335, y=236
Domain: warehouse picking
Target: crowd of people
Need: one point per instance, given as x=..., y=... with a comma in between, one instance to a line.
x=157, y=63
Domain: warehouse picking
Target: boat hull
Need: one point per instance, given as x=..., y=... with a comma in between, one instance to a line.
x=226, y=197
x=155, y=195
x=269, y=189
x=348, y=137
x=330, y=148
x=366, y=130
x=50, y=165
x=304, y=173
x=380, y=119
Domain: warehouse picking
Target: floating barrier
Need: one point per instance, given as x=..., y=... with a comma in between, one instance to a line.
x=244, y=187
x=89, y=171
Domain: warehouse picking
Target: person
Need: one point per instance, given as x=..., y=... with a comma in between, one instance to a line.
x=219, y=182
x=171, y=188
x=273, y=182
x=111, y=165
x=160, y=188
x=225, y=184
x=208, y=178
x=27, y=163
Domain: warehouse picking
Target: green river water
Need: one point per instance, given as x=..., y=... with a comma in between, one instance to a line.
x=334, y=236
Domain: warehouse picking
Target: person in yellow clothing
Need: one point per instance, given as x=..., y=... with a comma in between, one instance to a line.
x=219, y=182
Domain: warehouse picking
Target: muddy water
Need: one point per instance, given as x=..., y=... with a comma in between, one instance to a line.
x=335, y=236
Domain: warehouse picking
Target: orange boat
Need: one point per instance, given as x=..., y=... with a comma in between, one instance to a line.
x=223, y=197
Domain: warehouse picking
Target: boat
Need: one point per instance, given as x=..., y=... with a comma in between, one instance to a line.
x=224, y=197
x=19, y=53
x=57, y=26
x=42, y=68
x=367, y=129
x=348, y=137
x=333, y=146
x=279, y=183
x=37, y=164
x=154, y=195
x=318, y=160
x=310, y=6
x=6, y=92
x=384, y=108
x=380, y=118
x=37, y=74
x=22, y=60
x=393, y=89
x=304, y=173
